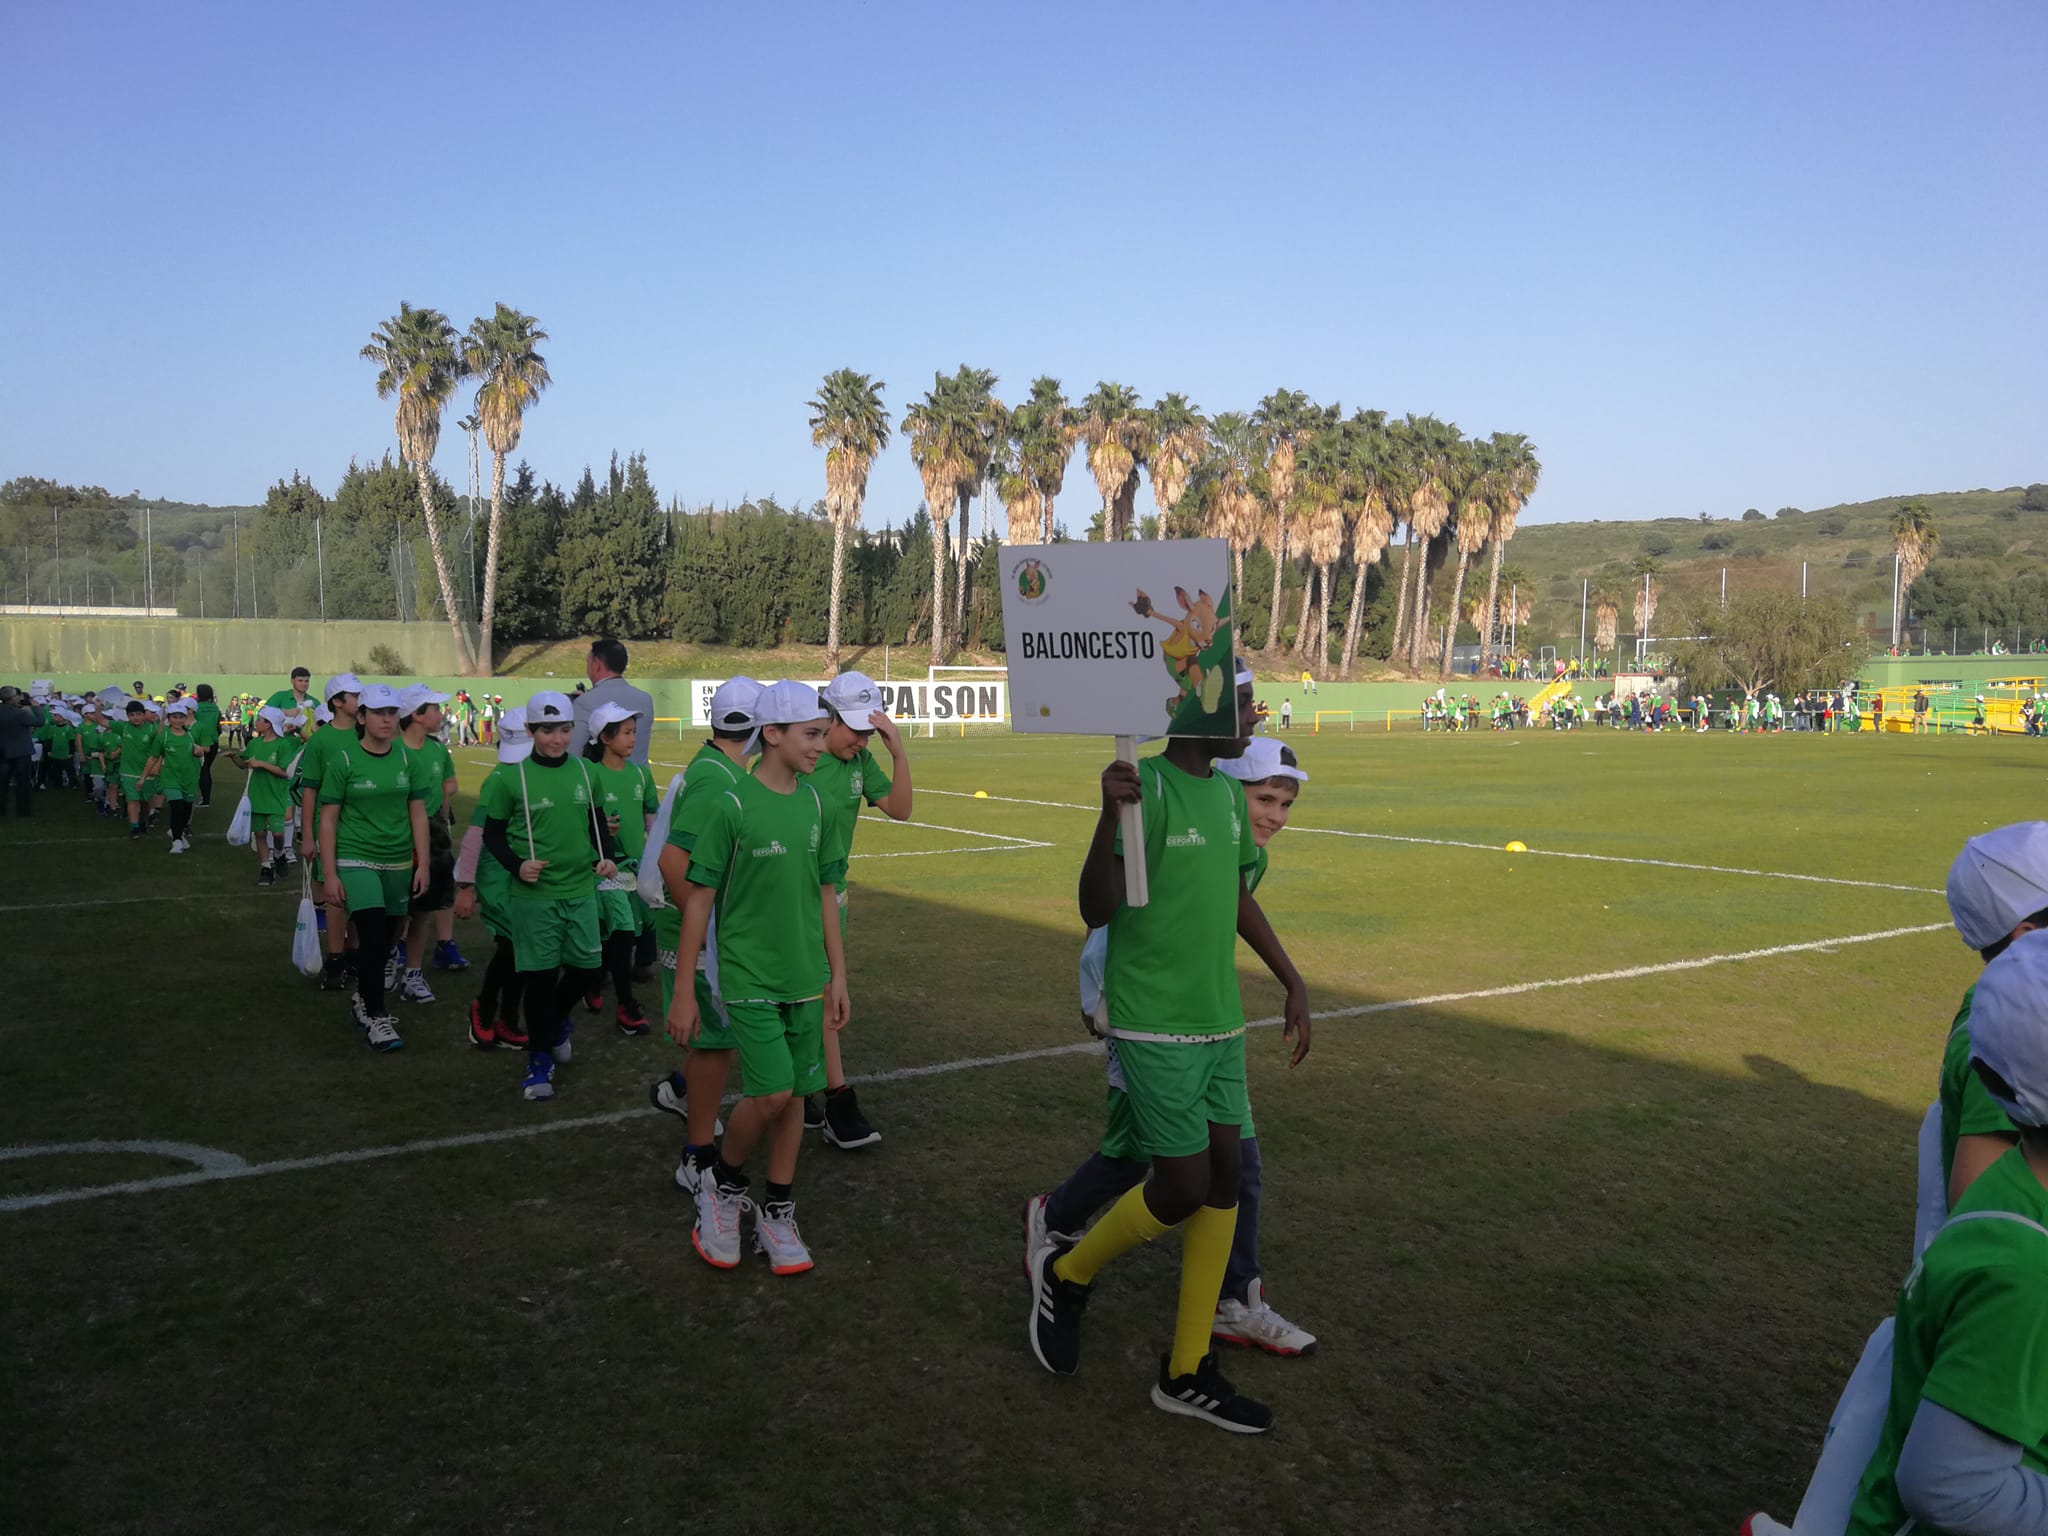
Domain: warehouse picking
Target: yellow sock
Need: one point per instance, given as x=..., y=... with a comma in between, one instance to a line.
x=1205, y=1239
x=1126, y=1224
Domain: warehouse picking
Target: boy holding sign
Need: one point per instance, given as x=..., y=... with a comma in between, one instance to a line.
x=1177, y=1018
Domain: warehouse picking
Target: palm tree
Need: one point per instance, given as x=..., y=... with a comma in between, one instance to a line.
x=1282, y=416
x=500, y=352
x=1606, y=618
x=849, y=421
x=419, y=360
x=1435, y=446
x=937, y=430
x=1043, y=430
x=1180, y=442
x=1516, y=472
x=1320, y=486
x=1118, y=438
x=1229, y=474
x=983, y=422
x=1474, y=523
x=1645, y=604
x=1915, y=538
x=1367, y=506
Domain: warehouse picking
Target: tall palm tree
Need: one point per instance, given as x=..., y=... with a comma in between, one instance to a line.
x=1606, y=618
x=1401, y=460
x=1043, y=431
x=938, y=429
x=1237, y=457
x=1435, y=446
x=1283, y=417
x=419, y=360
x=1180, y=441
x=1367, y=506
x=1321, y=482
x=849, y=421
x=1515, y=473
x=500, y=351
x=1118, y=436
x=1472, y=499
x=1915, y=538
x=1644, y=601
x=982, y=423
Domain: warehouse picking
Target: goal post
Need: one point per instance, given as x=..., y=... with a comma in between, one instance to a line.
x=1333, y=716
x=960, y=696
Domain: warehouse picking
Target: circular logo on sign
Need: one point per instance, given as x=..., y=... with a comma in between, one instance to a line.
x=1031, y=581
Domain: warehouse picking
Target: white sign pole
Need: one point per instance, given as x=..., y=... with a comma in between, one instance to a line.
x=1131, y=820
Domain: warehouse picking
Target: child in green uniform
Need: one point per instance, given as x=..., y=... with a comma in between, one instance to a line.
x=179, y=775
x=373, y=847
x=1997, y=890
x=483, y=887
x=847, y=777
x=206, y=737
x=628, y=800
x=1175, y=1013
x=694, y=1093
x=270, y=795
x=762, y=860
x=433, y=911
x=542, y=825
x=137, y=743
x=321, y=744
x=1964, y=1447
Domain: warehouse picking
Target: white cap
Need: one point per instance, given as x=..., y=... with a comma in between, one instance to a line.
x=272, y=717
x=732, y=705
x=855, y=699
x=180, y=707
x=378, y=696
x=1245, y=673
x=788, y=703
x=549, y=708
x=341, y=682
x=514, y=744
x=1998, y=880
x=2009, y=1026
x=415, y=697
x=322, y=715
x=1264, y=757
x=152, y=706
x=606, y=715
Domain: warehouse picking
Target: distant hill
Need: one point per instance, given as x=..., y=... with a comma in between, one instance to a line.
x=1846, y=549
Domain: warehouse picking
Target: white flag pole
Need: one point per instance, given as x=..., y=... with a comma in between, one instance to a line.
x=1131, y=821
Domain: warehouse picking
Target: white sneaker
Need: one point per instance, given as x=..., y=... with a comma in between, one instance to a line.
x=393, y=974
x=1251, y=1322
x=362, y=1013
x=1037, y=1234
x=775, y=1234
x=414, y=988
x=382, y=1034
x=178, y=845
x=688, y=1175
x=717, y=1234
x=564, y=1049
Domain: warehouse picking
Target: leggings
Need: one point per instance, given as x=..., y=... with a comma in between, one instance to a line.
x=618, y=959
x=548, y=996
x=206, y=775
x=181, y=817
x=499, y=998
x=373, y=929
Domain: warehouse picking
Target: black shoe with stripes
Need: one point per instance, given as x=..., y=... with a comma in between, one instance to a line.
x=1056, y=1308
x=1208, y=1394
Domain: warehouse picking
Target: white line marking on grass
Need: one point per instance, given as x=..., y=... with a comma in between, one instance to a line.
x=127, y=901
x=1542, y=853
x=926, y=853
x=933, y=1069
x=999, y=837
x=209, y=1158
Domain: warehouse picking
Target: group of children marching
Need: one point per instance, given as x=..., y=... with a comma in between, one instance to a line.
x=132, y=756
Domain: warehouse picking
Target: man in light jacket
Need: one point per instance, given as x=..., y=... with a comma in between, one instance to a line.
x=606, y=670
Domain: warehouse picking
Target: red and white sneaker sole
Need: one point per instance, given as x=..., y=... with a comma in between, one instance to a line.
x=1263, y=1348
x=714, y=1263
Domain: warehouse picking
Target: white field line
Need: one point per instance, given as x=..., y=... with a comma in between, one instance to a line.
x=161, y=897
x=1536, y=853
x=895, y=1075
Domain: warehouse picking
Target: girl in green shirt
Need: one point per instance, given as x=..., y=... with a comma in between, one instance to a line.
x=627, y=798
x=179, y=775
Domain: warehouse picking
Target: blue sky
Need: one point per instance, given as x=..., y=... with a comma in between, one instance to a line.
x=1706, y=257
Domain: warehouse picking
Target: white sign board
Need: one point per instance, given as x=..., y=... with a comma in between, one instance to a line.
x=1123, y=639
x=919, y=702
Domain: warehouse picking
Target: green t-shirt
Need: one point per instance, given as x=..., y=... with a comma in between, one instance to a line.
x=61, y=739
x=556, y=798
x=842, y=788
x=1971, y=1335
x=628, y=793
x=181, y=768
x=1172, y=966
x=433, y=767
x=1967, y=1108
x=321, y=748
x=767, y=856
x=270, y=795
x=709, y=774
x=206, y=724
x=137, y=743
x=375, y=794
x=1260, y=860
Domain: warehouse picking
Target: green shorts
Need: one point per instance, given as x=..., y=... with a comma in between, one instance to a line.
x=621, y=912
x=365, y=890
x=132, y=787
x=714, y=1029
x=781, y=1046
x=493, y=894
x=176, y=792
x=265, y=821
x=547, y=932
x=1173, y=1093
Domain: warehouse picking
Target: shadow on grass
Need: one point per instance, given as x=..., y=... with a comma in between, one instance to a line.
x=1559, y=1287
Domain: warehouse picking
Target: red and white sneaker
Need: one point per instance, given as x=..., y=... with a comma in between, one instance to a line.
x=1257, y=1326
x=1761, y=1524
x=510, y=1036
x=482, y=1034
x=632, y=1024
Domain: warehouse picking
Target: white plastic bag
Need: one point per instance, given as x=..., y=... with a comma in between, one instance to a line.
x=1932, y=1208
x=648, y=881
x=306, y=957
x=1853, y=1430
x=238, y=828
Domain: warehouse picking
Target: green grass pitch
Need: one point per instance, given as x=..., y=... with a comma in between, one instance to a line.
x=1590, y=1234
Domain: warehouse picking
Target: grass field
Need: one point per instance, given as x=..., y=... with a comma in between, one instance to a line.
x=1597, y=1176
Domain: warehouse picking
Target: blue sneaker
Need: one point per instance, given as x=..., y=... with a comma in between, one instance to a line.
x=448, y=958
x=563, y=1049
x=539, y=1082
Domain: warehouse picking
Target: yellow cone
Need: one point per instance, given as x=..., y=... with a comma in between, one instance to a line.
x=1518, y=847
x=981, y=794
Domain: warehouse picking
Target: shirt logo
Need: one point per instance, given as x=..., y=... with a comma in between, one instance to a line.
x=858, y=784
x=543, y=804
x=1189, y=839
x=774, y=850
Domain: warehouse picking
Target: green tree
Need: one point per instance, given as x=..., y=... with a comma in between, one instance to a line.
x=1768, y=640
x=419, y=360
x=1433, y=449
x=1514, y=473
x=613, y=553
x=1283, y=418
x=1180, y=441
x=1118, y=435
x=941, y=433
x=849, y=421
x=501, y=352
x=1915, y=538
x=1044, y=431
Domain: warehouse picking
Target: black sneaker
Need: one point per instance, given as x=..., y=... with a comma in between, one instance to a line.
x=845, y=1126
x=1209, y=1395
x=814, y=1112
x=1056, y=1308
x=333, y=978
x=268, y=876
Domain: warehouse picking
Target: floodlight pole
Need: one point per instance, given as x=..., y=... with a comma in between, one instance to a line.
x=149, y=560
x=1895, y=599
x=1585, y=586
x=320, y=565
x=1802, y=581
x=1724, y=586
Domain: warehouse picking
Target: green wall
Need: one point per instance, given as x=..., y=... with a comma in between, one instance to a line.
x=189, y=649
